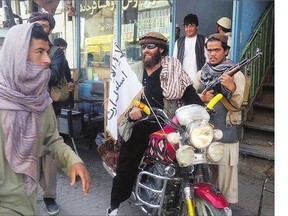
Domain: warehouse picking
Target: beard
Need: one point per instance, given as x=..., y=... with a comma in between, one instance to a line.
x=154, y=60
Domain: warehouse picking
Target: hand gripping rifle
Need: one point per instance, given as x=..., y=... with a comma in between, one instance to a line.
x=233, y=70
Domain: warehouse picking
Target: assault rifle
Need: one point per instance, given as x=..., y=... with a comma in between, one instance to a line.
x=233, y=70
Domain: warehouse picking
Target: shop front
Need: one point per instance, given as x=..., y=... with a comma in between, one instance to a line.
x=101, y=22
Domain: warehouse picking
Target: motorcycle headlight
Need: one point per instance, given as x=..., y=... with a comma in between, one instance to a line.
x=215, y=151
x=190, y=113
x=201, y=136
x=218, y=134
x=185, y=156
x=173, y=137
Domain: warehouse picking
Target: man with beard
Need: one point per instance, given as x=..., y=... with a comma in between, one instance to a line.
x=226, y=119
x=157, y=72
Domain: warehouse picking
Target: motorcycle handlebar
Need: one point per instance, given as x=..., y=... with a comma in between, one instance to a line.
x=142, y=106
x=160, y=113
x=149, y=115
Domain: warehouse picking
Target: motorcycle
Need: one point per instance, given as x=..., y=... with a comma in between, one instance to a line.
x=174, y=174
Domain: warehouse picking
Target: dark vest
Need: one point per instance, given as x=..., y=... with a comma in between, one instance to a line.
x=219, y=121
x=199, y=50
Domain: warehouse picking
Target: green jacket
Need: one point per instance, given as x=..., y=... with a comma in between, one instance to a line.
x=12, y=194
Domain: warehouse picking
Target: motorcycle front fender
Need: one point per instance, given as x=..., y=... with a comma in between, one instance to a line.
x=211, y=194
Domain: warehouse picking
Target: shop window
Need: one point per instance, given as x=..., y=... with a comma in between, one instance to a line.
x=97, y=34
x=139, y=18
x=98, y=29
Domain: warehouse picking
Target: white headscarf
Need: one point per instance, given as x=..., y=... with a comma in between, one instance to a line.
x=23, y=97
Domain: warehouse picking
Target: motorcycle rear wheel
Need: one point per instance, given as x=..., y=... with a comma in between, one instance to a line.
x=201, y=208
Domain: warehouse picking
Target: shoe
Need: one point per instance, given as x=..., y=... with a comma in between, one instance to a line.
x=111, y=212
x=52, y=207
x=228, y=211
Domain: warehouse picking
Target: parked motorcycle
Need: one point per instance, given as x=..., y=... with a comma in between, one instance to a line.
x=174, y=175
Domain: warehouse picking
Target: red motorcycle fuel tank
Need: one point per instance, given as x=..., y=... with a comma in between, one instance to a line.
x=159, y=148
x=211, y=194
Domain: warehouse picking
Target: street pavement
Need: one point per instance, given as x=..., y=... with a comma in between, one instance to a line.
x=72, y=202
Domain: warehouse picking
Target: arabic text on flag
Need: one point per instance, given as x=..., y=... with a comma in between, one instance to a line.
x=124, y=88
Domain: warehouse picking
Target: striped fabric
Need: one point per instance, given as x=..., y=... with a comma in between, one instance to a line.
x=174, y=80
x=23, y=96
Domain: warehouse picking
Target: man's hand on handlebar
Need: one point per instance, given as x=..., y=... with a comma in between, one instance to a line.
x=136, y=113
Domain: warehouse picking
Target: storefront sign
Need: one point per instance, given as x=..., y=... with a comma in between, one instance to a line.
x=95, y=6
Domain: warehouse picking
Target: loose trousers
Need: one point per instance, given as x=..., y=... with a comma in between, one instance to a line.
x=131, y=153
x=48, y=176
x=225, y=173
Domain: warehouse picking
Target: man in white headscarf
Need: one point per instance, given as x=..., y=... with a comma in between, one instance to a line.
x=223, y=26
x=48, y=173
x=28, y=123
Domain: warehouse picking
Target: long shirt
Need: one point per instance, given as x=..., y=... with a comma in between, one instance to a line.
x=12, y=193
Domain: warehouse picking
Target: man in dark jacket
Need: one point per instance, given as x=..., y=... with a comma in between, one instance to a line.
x=62, y=44
x=159, y=93
x=58, y=60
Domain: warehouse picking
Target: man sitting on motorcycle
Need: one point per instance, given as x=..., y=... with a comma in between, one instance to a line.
x=225, y=119
x=166, y=86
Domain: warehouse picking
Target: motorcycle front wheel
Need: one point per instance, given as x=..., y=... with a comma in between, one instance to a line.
x=201, y=208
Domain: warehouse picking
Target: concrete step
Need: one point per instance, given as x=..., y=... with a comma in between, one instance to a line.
x=254, y=166
x=260, y=151
x=266, y=96
x=268, y=85
x=258, y=126
x=264, y=105
x=254, y=136
x=263, y=115
x=266, y=93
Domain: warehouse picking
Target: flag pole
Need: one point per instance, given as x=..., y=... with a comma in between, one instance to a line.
x=153, y=112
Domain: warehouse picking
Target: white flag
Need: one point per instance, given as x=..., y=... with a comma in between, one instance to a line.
x=124, y=88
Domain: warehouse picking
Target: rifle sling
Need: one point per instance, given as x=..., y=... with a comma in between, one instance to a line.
x=229, y=106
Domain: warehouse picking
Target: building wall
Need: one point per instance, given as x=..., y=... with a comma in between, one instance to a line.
x=207, y=11
x=252, y=12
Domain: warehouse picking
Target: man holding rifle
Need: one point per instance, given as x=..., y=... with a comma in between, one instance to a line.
x=228, y=114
